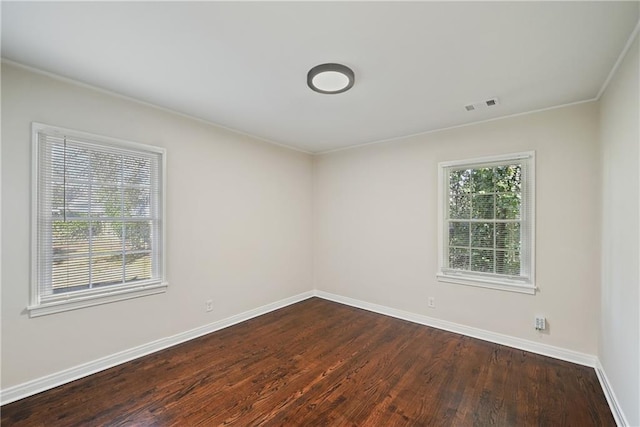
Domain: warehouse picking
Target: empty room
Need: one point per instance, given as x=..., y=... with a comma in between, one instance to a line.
x=320, y=213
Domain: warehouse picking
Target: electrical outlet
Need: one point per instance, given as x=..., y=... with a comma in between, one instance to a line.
x=540, y=323
x=208, y=305
x=432, y=302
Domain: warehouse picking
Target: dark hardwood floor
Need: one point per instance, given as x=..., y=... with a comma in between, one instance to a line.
x=318, y=363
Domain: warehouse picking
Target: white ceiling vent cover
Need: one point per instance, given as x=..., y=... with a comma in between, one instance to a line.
x=482, y=104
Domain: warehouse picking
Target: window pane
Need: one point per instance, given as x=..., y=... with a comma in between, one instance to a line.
x=75, y=164
x=482, y=206
x=137, y=267
x=460, y=181
x=57, y=200
x=70, y=238
x=137, y=236
x=108, y=237
x=137, y=202
x=93, y=213
x=482, y=235
x=486, y=219
x=106, y=201
x=460, y=206
x=106, y=270
x=58, y=161
x=508, y=235
x=459, y=258
x=76, y=200
x=482, y=260
x=508, y=206
x=482, y=180
x=508, y=262
x=508, y=178
x=106, y=167
x=70, y=275
x=459, y=234
x=137, y=170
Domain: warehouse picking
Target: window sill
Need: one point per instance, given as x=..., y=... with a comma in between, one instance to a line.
x=490, y=284
x=81, y=301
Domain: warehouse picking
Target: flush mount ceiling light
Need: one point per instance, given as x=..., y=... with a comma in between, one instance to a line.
x=330, y=78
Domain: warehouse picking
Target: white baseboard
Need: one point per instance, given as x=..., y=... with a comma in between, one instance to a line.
x=38, y=385
x=532, y=346
x=612, y=400
x=519, y=343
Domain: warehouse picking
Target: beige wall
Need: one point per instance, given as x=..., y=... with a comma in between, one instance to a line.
x=620, y=328
x=239, y=215
x=251, y=223
x=376, y=226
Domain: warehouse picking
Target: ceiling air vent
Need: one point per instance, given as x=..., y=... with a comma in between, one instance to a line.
x=482, y=104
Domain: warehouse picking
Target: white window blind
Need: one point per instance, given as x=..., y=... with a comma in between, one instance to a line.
x=98, y=217
x=487, y=219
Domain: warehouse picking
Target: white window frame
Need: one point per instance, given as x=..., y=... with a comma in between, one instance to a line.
x=493, y=281
x=40, y=305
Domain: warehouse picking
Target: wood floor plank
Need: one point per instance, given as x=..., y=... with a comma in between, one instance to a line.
x=319, y=363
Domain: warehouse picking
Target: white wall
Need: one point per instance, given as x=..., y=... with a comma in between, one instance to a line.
x=239, y=215
x=620, y=327
x=376, y=226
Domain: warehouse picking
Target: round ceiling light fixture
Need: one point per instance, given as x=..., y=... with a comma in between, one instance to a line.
x=330, y=78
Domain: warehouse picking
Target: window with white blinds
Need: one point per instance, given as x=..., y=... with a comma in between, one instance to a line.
x=487, y=222
x=98, y=220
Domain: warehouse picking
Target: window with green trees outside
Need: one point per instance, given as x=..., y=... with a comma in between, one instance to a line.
x=487, y=221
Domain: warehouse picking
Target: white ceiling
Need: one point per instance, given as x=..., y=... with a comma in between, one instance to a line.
x=243, y=65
